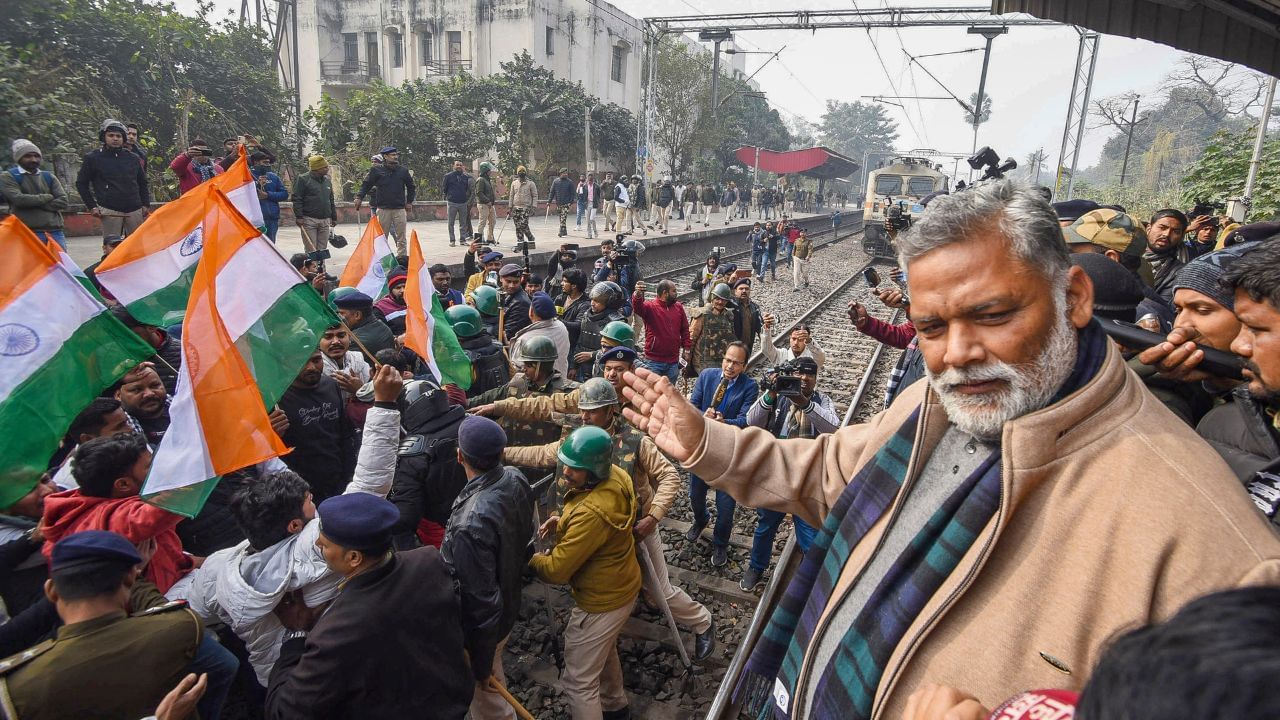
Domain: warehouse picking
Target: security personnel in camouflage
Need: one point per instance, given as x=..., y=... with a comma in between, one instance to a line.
x=112, y=665
x=656, y=485
x=485, y=299
x=537, y=356
x=489, y=366
x=606, y=303
x=615, y=363
x=711, y=331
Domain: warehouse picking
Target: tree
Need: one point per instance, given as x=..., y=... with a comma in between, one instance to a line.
x=1033, y=166
x=985, y=115
x=804, y=134
x=857, y=127
x=1221, y=170
x=680, y=92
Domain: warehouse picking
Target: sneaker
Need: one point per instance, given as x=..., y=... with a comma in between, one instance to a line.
x=695, y=531
x=750, y=579
x=720, y=556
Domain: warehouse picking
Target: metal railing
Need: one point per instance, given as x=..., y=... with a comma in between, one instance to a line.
x=353, y=71
x=445, y=67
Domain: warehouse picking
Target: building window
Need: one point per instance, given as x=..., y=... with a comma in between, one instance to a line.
x=619, y=66
x=428, y=48
x=551, y=36
x=350, y=48
x=455, y=50
x=371, y=48
x=397, y=50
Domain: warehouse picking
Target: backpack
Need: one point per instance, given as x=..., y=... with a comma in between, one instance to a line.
x=45, y=175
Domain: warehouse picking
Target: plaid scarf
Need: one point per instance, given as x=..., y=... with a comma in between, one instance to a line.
x=846, y=687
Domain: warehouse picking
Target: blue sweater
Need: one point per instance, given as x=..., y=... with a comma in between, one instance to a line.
x=276, y=193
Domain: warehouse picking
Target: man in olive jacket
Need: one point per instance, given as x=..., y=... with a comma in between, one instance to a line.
x=34, y=195
x=1074, y=504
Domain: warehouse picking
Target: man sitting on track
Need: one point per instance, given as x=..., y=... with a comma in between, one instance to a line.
x=997, y=526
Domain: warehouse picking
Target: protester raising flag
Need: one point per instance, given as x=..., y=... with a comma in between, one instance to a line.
x=427, y=331
x=372, y=260
x=150, y=272
x=70, y=266
x=244, y=294
x=241, y=189
x=59, y=349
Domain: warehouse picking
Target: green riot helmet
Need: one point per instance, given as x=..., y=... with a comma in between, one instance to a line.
x=486, y=298
x=596, y=393
x=465, y=321
x=588, y=448
x=620, y=333
x=539, y=348
x=722, y=291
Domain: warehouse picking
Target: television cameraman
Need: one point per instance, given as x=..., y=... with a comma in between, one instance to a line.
x=789, y=406
x=622, y=262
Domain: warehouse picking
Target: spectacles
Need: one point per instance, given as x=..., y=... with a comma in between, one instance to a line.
x=731, y=361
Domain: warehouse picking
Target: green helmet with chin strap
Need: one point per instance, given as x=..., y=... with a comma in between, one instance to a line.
x=722, y=291
x=588, y=448
x=486, y=298
x=465, y=320
x=619, y=332
x=538, y=348
x=596, y=393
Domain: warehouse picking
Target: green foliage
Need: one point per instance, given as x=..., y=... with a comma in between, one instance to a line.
x=985, y=115
x=857, y=127
x=1221, y=171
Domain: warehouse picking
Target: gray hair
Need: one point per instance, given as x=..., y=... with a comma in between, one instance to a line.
x=1019, y=211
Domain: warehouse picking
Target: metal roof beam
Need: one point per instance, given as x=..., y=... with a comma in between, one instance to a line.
x=888, y=17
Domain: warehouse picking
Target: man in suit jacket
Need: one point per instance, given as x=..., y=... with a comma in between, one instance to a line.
x=724, y=394
x=390, y=645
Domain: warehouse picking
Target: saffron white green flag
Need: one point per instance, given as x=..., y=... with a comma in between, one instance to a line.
x=374, y=258
x=59, y=348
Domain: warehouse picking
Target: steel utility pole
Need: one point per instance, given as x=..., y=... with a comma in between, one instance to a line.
x=717, y=37
x=1039, y=162
x=586, y=150
x=1133, y=122
x=990, y=33
x=1256, y=160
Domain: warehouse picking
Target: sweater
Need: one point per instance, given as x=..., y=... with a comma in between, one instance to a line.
x=37, y=199
x=666, y=328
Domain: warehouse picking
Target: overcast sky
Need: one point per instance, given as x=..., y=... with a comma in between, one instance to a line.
x=1029, y=78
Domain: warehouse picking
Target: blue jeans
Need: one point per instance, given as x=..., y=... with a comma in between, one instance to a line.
x=786, y=252
x=56, y=235
x=771, y=262
x=725, y=506
x=221, y=665
x=670, y=369
x=582, y=210
x=273, y=226
x=767, y=522
x=756, y=259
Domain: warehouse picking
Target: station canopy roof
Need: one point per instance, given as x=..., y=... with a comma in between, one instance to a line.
x=1239, y=31
x=815, y=162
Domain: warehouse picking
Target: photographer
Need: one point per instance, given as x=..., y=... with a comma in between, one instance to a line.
x=194, y=165
x=564, y=259
x=789, y=407
x=800, y=344
x=622, y=263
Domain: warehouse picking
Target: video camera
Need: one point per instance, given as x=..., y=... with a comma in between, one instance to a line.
x=895, y=218
x=627, y=250
x=990, y=159
x=1206, y=208
x=782, y=380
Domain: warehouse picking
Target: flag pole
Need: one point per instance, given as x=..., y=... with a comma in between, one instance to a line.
x=362, y=346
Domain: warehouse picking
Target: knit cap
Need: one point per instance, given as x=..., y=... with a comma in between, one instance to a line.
x=1205, y=273
x=23, y=146
x=317, y=162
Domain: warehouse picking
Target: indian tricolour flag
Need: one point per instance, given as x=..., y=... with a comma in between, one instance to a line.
x=59, y=349
x=241, y=189
x=427, y=330
x=372, y=260
x=70, y=266
x=244, y=296
x=150, y=272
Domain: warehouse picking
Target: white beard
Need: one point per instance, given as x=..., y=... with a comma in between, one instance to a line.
x=1030, y=386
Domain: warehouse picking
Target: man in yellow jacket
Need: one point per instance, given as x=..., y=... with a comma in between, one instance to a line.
x=595, y=554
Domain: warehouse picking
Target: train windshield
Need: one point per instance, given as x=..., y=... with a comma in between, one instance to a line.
x=888, y=184
x=919, y=186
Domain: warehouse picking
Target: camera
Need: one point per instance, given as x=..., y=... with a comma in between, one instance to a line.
x=782, y=380
x=895, y=218
x=320, y=255
x=206, y=152
x=990, y=159
x=871, y=276
x=1206, y=208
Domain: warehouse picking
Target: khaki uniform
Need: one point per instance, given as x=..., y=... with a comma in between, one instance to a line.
x=526, y=432
x=114, y=666
x=711, y=333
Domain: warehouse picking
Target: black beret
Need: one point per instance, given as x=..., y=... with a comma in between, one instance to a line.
x=481, y=437
x=92, y=547
x=358, y=520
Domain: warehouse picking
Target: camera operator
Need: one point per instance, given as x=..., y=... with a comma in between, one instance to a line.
x=622, y=264
x=566, y=258
x=789, y=406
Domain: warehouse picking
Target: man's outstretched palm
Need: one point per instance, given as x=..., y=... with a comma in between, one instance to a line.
x=673, y=422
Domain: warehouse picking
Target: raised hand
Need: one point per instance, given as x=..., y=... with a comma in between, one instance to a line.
x=675, y=425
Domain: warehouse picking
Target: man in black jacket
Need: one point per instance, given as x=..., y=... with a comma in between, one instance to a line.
x=562, y=194
x=113, y=184
x=515, y=302
x=572, y=302
x=428, y=476
x=356, y=310
x=311, y=418
x=486, y=547
x=389, y=646
x=395, y=191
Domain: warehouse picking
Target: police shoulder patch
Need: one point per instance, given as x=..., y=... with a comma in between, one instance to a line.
x=413, y=445
x=17, y=660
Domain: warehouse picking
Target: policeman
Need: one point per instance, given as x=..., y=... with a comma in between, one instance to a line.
x=656, y=483
x=489, y=366
x=395, y=625
x=103, y=663
x=616, y=333
x=428, y=476
x=536, y=356
x=615, y=362
x=595, y=554
x=606, y=301
x=486, y=276
x=485, y=299
x=710, y=331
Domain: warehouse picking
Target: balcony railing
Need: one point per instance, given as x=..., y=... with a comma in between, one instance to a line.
x=446, y=67
x=349, y=72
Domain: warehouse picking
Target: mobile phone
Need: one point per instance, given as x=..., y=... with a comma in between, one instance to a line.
x=1216, y=362
x=871, y=276
x=206, y=152
x=319, y=255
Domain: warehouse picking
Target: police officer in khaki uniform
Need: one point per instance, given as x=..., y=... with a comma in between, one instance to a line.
x=711, y=331
x=103, y=663
x=656, y=484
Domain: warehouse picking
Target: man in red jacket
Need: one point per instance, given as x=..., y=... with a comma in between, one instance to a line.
x=194, y=165
x=666, y=329
x=110, y=471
